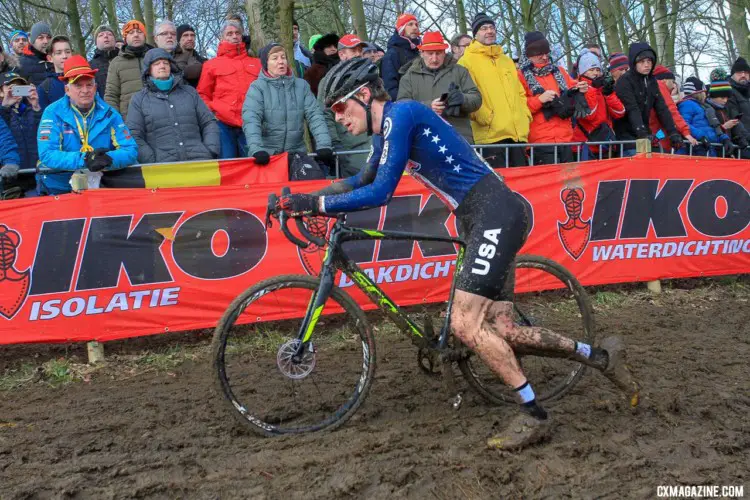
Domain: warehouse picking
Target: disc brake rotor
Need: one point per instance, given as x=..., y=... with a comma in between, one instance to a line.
x=299, y=367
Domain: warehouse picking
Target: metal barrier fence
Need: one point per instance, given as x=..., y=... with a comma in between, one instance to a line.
x=613, y=150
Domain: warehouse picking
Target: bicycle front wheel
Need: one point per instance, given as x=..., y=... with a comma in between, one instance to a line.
x=563, y=308
x=272, y=388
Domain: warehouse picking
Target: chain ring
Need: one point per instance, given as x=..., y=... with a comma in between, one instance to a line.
x=295, y=370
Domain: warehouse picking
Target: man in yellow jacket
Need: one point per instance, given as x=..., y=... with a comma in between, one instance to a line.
x=504, y=117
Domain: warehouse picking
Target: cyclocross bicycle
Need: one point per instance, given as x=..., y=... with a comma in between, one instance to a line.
x=285, y=376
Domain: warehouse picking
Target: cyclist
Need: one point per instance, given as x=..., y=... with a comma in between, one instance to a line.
x=491, y=219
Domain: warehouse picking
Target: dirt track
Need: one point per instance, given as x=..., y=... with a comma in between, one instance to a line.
x=162, y=434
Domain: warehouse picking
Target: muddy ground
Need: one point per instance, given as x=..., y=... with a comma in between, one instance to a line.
x=162, y=433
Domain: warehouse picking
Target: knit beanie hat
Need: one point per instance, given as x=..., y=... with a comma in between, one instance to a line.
x=618, y=60
x=42, y=28
x=740, y=65
x=131, y=25
x=720, y=88
x=313, y=40
x=693, y=86
x=17, y=33
x=663, y=73
x=102, y=29
x=182, y=29
x=719, y=74
x=588, y=60
x=480, y=20
x=266, y=52
x=646, y=54
x=536, y=44
x=403, y=20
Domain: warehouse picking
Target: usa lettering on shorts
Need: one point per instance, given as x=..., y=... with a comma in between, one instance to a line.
x=487, y=250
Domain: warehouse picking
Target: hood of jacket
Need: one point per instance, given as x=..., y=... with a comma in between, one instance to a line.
x=232, y=50
x=321, y=57
x=397, y=40
x=492, y=51
x=106, y=54
x=742, y=89
x=31, y=51
x=153, y=55
x=130, y=52
x=637, y=49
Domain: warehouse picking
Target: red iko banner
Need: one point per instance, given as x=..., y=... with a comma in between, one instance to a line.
x=110, y=264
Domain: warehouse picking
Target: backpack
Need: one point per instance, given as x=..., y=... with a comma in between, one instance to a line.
x=304, y=168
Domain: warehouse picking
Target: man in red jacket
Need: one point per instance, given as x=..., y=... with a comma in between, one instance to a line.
x=665, y=79
x=223, y=85
x=549, y=94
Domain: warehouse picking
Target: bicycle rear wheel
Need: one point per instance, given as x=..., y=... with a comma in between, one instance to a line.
x=268, y=389
x=566, y=310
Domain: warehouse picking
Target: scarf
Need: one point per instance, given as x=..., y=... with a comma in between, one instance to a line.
x=163, y=85
x=531, y=72
x=322, y=58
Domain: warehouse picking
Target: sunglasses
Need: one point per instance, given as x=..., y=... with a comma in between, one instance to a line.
x=340, y=105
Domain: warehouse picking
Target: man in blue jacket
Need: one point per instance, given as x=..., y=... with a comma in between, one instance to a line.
x=402, y=49
x=9, y=161
x=81, y=131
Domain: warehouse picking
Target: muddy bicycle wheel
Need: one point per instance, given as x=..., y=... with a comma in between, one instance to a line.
x=274, y=392
x=564, y=308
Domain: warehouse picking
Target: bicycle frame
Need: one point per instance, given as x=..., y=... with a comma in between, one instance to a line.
x=336, y=259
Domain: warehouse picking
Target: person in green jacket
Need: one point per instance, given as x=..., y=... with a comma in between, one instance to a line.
x=350, y=46
x=435, y=75
x=125, y=70
x=275, y=109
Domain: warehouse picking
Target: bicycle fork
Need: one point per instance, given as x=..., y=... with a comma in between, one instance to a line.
x=314, y=310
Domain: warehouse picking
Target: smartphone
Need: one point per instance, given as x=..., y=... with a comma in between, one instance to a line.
x=22, y=90
x=444, y=97
x=738, y=117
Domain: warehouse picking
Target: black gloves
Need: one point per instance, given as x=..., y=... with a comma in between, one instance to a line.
x=455, y=100
x=706, y=143
x=609, y=86
x=581, y=107
x=598, y=82
x=9, y=171
x=299, y=204
x=676, y=140
x=262, y=157
x=742, y=143
x=559, y=106
x=97, y=160
x=325, y=155
x=728, y=147
x=642, y=133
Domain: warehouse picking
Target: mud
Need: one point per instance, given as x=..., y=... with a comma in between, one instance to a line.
x=166, y=434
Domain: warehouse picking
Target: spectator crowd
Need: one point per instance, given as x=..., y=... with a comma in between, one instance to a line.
x=136, y=103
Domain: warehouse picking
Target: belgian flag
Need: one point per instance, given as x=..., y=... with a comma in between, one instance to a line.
x=241, y=171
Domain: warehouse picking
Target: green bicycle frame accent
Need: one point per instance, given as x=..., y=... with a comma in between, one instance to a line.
x=336, y=259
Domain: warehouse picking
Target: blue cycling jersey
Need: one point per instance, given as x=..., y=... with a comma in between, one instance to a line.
x=414, y=138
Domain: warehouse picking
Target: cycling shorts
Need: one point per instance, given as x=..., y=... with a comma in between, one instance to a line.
x=493, y=222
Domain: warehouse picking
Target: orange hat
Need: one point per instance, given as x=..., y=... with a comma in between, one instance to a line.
x=433, y=40
x=132, y=25
x=402, y=20
x=76, y=67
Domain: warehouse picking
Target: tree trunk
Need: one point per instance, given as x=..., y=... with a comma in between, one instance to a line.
x=461, y=15
x=286, y=38
x=527, y=16
x=148, y=15
x=169, y=7
x=76, y=35
x=137, y=11
x=738, y=26
x=565, y=35
x=112, y=17
x=661, y=30
x=96, y=14
x=609, y=20
x=358, y=15
x=269, y=19
x=257, y=36
x=650, y=26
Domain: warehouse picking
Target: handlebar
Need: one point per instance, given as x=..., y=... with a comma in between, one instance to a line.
x=273, y=211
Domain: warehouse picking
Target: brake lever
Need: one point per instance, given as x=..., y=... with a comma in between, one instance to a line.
x=271, y=209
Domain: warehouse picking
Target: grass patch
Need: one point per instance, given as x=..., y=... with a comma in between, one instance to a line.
x=608, y=300
x=17, y=377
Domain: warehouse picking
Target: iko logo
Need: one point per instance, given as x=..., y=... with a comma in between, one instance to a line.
x=14, y=284
x=575, y=232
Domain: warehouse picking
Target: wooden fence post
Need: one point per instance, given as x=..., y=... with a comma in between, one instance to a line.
x=644, y=146
x=96, y=352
